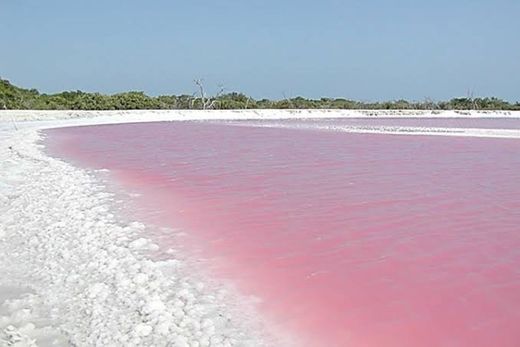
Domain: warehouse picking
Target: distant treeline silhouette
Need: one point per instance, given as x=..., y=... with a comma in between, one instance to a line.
x=13, y=97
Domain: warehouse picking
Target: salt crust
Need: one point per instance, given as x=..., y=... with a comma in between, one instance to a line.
x=78, y=276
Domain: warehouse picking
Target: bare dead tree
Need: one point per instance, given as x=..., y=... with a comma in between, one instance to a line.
x=200, y=84
x=221, y=90
x=208, y=103
x=214, y=100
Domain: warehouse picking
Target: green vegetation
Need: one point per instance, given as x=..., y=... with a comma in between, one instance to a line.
x=12, y=97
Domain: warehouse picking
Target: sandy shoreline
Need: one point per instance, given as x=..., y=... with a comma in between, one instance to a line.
x=73, y=273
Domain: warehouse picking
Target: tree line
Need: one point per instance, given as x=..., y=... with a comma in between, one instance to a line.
x=13, y=97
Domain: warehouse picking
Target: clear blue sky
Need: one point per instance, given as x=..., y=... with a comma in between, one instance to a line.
x=368, y=50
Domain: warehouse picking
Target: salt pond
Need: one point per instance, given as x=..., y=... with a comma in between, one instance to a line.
x=360, y=239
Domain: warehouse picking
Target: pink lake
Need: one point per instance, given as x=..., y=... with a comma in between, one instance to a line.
x=346, y=239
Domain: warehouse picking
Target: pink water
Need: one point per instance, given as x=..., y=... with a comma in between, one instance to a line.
x=348, y=239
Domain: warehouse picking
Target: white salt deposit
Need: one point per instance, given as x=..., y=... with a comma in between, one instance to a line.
x=72, y=273
x=88, y=282
x=401, y=130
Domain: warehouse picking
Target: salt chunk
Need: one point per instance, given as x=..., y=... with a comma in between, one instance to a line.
x=154, y=306
x=140, y=243
x=143, y=329
x=140, y=278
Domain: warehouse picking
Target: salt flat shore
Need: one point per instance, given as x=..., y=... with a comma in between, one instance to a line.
x=73, y=273
x=145, y=115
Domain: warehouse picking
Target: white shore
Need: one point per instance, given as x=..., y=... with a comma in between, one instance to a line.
x=158, y=115
x=72, y=273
